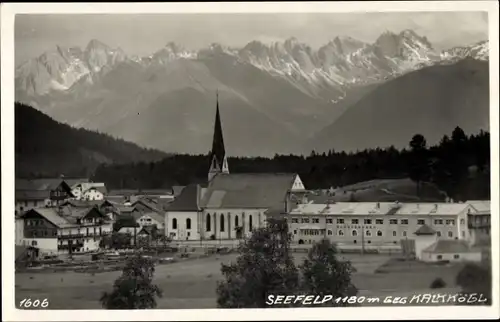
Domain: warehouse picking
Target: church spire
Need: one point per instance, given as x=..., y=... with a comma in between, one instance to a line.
x=218, y=160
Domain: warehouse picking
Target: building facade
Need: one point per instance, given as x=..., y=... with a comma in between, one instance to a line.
x=57, y=231
x=375, y=223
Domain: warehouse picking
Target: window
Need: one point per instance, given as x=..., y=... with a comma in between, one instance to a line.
x=189, y=234
x=379, y=221
x=368, y=233
x=463, y=234
x=439, y=257
x=421, y=222
x=394, y=234
x=330, y=232
x=305, y=220
x=438, y=221
x=456, y=256
x=315, y=220
x=208, y=223
x=379, y=233
x=188, y=223
x=236, y=221
x=450, y=222
x=404, y=221
x=250, y=223
x=329, y=220
x=341, y=233
x=450, y=234
x=462, y=221
x=355, y=221
x=393, y=221
x=354, y=233
x=340, y=221
x=439, y=234
x=368, y=221
x=295, y=220
x=404, y=233
x=34, y=243
x=174, y=223
x=222, y=223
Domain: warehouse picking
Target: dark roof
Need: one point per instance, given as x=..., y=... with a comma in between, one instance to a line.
x=32, y=194
x=116, y=199
x=83, y=203
x=248, y=190
x=188, y=200
x=150, y=205
x=425, y=230
x=46, y=183
x=177, y=190
x=448, y=246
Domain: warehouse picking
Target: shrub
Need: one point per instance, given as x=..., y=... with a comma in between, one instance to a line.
x=438, y=283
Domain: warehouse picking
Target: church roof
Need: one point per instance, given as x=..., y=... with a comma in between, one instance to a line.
x=248, y=190
x=218, y=150
x=188, y=200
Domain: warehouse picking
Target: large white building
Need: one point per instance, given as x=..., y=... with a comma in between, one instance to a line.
x=376, y=223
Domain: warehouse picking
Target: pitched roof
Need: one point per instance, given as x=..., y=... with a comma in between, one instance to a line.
x=148, y=204
x=248, y=190
x=51, y=215
x=381, y=208
x=177, y=190
x=448, y=246
x=46, y=183
x=188, y=200
x=425, y=230
x=480, y=206
x=32, y=194
x=83, y=203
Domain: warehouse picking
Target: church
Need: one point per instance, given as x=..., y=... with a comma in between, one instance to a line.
x=230, y=205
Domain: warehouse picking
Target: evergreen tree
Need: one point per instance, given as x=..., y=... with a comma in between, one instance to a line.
x=419, y=169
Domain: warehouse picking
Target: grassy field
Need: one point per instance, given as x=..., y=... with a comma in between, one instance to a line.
x=192, y=284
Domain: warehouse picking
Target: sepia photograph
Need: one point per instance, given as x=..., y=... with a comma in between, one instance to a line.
x=192, y=158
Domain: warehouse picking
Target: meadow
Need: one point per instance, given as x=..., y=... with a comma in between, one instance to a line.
x=192, y=284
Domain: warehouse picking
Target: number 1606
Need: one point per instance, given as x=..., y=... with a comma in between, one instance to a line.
x=27, y=303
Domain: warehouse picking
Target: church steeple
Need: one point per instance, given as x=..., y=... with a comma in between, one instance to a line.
x=218, y=159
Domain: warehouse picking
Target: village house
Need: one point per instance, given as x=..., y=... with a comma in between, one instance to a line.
x=89, y=191
x=33, y=193
x=57, y=231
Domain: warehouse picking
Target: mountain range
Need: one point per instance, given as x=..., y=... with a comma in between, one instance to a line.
x=274, y=98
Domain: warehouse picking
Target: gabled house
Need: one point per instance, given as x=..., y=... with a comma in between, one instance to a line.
x=64, y=230
x=32, y=193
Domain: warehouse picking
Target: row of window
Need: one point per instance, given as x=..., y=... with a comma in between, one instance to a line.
x=354, y=233
x=377, y=221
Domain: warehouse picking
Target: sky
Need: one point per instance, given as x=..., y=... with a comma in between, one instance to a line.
x=143, y=34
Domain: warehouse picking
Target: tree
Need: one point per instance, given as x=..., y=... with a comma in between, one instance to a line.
x=134, y=289
x=474, y=278
x=324, y=274
x=263, y=267
x=419, y=169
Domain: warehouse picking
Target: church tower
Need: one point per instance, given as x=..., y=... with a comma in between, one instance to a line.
x=218, y=159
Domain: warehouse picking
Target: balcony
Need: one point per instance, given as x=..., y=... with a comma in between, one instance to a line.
x=474, y=225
